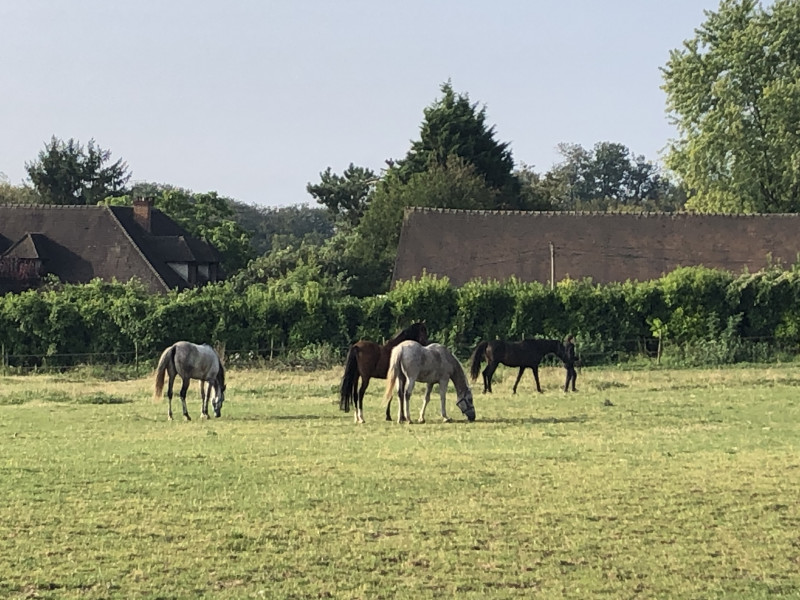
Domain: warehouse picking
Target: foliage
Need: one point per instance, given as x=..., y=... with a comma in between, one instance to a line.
x=700, y=301
x=454, y=126
x=608, y=177
x=17, y=194
x=346, y=196
x=698, y=315
x=68, y=173
x=733, y=91
x=485, y=312
x=282, y=227
x=308, y=262
x=430, y=298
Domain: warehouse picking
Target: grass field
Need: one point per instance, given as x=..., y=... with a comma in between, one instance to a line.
x=686, y=486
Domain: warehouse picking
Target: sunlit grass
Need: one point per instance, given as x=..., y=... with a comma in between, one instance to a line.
x=643, y=484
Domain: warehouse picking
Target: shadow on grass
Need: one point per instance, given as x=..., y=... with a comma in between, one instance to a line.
x=536, y=420
x=284, y=417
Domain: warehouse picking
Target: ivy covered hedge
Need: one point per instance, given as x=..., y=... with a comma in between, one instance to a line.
x=700, y=315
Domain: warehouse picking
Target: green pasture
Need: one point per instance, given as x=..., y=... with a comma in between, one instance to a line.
x=644, y=484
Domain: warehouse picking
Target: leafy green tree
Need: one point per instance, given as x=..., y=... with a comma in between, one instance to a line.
x=68, y=173
x=537, y=192
x=607, y=177
x=17, y=194
x=281, y=227
x=210, y=217
x=733, y=91
x=609, y=171
x=455, y=126
x=346, y=196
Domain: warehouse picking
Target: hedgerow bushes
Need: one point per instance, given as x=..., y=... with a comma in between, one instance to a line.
x=700, y=315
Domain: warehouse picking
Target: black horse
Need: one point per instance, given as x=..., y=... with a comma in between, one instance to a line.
x=524, y=354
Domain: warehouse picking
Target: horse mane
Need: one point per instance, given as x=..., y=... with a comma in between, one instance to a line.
x=221, y=374
x=416, y=331
x=459, y=376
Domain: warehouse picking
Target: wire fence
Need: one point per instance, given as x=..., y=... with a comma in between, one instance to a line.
x=316, y=357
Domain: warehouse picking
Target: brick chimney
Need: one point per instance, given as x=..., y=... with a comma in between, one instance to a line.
x=142, y=208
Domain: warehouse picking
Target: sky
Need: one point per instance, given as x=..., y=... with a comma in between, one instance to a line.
x=253, y=99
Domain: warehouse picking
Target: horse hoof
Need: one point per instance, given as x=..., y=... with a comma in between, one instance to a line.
x=187, y=417
x=420, y=420
x=447, y=420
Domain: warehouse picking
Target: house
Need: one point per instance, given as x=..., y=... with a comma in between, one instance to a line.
x=80, y=243
x=606, y=247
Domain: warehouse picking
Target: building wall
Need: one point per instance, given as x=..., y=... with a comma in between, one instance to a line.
x=606, y=247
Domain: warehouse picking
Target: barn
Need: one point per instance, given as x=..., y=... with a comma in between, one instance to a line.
x=606, y=247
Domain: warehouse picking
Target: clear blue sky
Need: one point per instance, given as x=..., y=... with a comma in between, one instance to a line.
x=253, y=99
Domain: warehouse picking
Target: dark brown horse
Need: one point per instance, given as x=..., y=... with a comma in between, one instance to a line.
x=524, y=354
x=366, y=360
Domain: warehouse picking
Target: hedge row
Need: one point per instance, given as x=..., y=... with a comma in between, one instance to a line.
x=732, y=317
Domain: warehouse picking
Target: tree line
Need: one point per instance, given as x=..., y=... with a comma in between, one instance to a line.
x=731, y=89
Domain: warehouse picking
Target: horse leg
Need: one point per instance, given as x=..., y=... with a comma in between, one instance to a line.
x=169, y=395
x=488, y=373
x=184, y=389
x=389, y=408
x=425, y=403
x=204, y=399
x=536, y=378
x=516, y=383
x=401, y=394
x=359, y=400
x=442, y=395
x=406, y=387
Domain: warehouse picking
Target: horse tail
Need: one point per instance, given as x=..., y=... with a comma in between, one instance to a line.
x=167, y=359
x=476, y=359
x=393, y=373
x=347, y=389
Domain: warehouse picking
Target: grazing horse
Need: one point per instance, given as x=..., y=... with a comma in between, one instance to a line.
x=192, y=361
x=411, y=362
x=366, y=360
x=524, y=354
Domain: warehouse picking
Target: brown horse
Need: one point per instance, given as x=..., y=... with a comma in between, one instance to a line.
x=366, y=360
x=524, y=354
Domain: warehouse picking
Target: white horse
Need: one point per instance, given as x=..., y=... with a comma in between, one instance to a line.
x=411, y=362
x=192, y=361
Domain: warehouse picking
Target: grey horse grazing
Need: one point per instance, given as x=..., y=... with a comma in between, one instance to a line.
x=411, y=362
x=192, y=361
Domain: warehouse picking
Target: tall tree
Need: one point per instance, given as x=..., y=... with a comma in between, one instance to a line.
x=455, y=126
x=68, y=173
x=607, y=177
x=346, y=195
x=733, y=91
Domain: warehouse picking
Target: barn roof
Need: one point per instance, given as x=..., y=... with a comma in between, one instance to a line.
x=605, y=247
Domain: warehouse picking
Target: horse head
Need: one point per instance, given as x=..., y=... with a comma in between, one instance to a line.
x=219, y=398
x=466, y=405
x=420, y=332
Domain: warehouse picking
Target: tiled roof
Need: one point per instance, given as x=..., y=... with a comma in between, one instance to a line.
x=79, y=243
